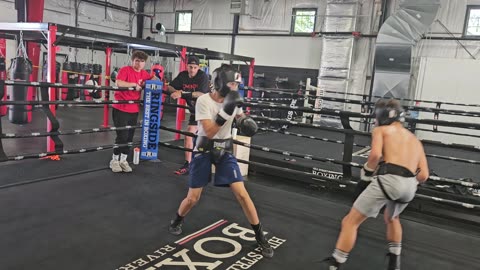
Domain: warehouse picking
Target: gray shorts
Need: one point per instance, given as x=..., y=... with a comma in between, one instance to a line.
x=372, y=199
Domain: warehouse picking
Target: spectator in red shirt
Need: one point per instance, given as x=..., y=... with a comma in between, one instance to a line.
x=127, y=114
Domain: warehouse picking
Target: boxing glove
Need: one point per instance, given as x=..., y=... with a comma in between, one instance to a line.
x=231, y=101
x=247, y=126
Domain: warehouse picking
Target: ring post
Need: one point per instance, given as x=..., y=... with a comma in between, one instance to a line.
x=181, y=101
x=151, y=119
x=108, y=60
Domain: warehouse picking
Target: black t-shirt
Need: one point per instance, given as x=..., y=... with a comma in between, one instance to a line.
x=185, y=83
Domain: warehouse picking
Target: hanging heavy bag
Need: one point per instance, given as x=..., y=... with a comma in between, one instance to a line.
x=113, y=75
x=67, y=67
x=72, y=68
x=2, y=64
x=20, y=69
x=82, y=78
x=3, y=68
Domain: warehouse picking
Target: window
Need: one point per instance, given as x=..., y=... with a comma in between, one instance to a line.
x=183, y=21
x=472, y=21
x=303, y=20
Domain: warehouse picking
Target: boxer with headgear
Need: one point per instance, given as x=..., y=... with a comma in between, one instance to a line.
x=189, y=85
x=391, y=183
x=215, y=113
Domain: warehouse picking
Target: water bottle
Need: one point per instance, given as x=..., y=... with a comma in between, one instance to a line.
x=136, y=155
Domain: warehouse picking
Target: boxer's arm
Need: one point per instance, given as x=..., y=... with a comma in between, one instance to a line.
x=121, y=83
x=423, y=174
x=377, y=149
x=210, y=127
x=197, y=94
x=171, y=89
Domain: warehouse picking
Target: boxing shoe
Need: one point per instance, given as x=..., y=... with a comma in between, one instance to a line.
x=267, y=250
x=175, y=228
x=331, y=264
x=393, y=261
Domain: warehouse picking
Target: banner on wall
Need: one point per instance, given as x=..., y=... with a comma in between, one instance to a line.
x=152, y=103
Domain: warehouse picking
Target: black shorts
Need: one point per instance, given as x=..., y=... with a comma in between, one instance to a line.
x=191, y=120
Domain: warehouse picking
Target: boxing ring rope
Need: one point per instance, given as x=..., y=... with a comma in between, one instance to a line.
x=450, y=145
x=66, y=132
x=363, y=115
x=72, y=102
x=70, y=151
x=324, y=111
x=364, y=146
x=329, y=160
x=367, y=103
x=285, y=91
x=259, y=104
x=356, y=132
x=73, y=86
x=449, y=132
x=340, y=183
x=173, y=105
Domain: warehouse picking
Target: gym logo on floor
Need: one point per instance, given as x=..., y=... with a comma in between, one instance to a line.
x=221, y=245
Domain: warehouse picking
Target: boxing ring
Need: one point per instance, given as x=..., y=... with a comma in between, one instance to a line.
x=99, y=220
x=76, y=214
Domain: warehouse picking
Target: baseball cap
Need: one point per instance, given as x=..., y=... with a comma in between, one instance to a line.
x=193, y=60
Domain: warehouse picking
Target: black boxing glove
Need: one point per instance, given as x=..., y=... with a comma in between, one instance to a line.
x=247, y=126
x=231, y=101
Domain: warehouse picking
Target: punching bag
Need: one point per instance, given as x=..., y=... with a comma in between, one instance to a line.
x=67, y=67
x=82, y=78
x=113, y=75
x=72, y=69
x=3, y=93
x=95, y=78
x=20, y=69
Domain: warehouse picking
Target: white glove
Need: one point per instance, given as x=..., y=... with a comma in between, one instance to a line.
x=366, y=174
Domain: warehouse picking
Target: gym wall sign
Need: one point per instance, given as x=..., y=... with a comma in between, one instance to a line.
x=221, y=245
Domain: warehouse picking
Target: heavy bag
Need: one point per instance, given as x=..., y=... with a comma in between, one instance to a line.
x=2, y=64
x=3, y=68
x=57, y=77
x=20, y=69
x=85, y=69
x=97, y=69
x=67, y=67
x=113, y=75
x=73, y=69
x=45, y=71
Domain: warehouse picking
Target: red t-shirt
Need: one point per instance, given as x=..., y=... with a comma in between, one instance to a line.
x=128, y=74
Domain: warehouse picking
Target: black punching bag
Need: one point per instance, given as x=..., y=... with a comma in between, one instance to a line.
x=20, y=69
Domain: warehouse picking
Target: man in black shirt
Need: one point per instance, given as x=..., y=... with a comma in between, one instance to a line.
x=189, y=85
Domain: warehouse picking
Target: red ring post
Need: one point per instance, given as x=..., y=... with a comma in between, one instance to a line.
x=181, y=101
x=52, y=56
x=3, y=74
x=108, y=60
x=250, y=81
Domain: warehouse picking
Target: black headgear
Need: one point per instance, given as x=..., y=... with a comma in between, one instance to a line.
x=223, y=75
x=387, y=113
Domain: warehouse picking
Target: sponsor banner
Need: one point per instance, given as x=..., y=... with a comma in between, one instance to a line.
x=152, y=103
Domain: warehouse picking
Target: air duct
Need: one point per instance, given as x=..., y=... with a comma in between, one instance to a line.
x=395, y=41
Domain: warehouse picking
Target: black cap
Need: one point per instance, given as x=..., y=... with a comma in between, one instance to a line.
x=193, y=60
